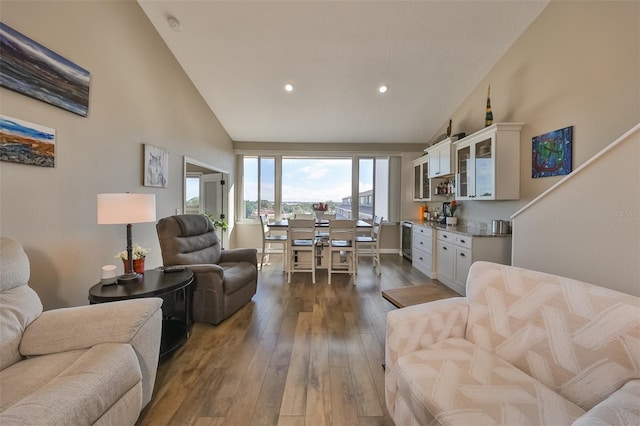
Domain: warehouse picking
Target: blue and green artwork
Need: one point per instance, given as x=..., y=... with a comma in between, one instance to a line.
x=552, y=153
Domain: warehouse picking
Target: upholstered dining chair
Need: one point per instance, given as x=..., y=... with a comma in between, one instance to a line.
x=269, y=239
x=303, y=216
x=226, y=279
x=342, y=236
x=371, y=243
x=301, y=247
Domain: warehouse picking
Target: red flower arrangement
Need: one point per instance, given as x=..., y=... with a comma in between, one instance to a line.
x=320, y=207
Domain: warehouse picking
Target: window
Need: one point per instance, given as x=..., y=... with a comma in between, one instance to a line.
x=304, y=181
x=192, y=194
x=264, y=168
x=308, y=181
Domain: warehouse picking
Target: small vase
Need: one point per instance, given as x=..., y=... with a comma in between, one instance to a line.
x=138, y=266
x=452, y=220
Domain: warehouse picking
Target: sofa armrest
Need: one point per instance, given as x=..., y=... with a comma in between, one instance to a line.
x=621, y=407
x=240, y=255
x=137, y=322
x=418, y=326
x=82, y=327
x=415, y=327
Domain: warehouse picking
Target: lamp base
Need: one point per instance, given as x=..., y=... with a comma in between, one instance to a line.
x=129, y=277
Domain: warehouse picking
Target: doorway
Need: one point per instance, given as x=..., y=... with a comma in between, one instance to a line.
x=205, y=191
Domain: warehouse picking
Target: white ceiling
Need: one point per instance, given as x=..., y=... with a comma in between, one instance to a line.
x=431, y=54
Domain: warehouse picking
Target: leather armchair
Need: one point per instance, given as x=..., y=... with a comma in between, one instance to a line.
x=225, y=279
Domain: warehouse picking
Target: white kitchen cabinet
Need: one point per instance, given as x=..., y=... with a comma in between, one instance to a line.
x=423, y=245
x=488, y=163
x=446, y=256
x=421, y=182
x=456, y=252
x=440, y=159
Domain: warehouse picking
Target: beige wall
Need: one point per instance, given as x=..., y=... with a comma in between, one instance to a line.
x=600, y=243
x=577, y=65
x=139, y=94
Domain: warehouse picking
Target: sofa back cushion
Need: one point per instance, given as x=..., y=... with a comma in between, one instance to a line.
x=19, y=304
x=188, y=240
x=581, y=340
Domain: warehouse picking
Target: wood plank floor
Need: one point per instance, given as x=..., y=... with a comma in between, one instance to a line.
x=297, y=354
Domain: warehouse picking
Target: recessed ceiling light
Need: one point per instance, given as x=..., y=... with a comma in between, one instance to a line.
x=174, y=24
x=383, y=88
x=288, y=87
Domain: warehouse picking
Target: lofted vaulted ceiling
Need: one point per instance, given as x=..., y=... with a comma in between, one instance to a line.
x=430, y=54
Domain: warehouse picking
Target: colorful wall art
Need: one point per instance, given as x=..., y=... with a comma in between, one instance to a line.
x=156, y=166
x=29, y=68
x=27, y=143
x=552, y=153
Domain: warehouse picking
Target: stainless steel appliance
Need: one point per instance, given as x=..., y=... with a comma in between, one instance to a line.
x=407, y=229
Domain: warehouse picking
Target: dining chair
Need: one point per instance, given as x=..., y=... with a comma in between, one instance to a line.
x=322, y=233
x=371, y=243
x=269, y=239
x=301, y=247
x=342, y=235
x=303, y=216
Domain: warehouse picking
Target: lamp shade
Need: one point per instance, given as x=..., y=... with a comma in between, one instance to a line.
x=126, y=208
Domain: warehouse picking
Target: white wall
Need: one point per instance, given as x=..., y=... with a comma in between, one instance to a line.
x=563, y=232
x=139, y=94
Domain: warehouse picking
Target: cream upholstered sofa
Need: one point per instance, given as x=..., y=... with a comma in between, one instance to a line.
x=522, y=348
x=75, y=366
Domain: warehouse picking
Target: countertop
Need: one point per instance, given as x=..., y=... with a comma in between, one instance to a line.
x=469, y=231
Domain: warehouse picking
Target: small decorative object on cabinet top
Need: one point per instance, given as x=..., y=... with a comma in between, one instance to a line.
x=488, y=118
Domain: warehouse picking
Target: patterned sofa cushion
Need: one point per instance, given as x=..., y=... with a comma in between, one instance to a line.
x=455, y=382
x=579, y=340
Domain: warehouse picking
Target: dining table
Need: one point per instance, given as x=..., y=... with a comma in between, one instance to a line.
x=323, y=223
x=322, y=259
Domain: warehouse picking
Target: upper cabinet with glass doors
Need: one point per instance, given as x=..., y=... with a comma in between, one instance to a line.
x=488, y=163
x=421, y=183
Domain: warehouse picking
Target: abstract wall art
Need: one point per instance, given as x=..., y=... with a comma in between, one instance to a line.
x=27, y=143
x=29, y=68
x=156, y=166
x=552, y=153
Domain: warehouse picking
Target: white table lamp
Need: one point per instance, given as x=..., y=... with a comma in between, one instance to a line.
x=126, y=208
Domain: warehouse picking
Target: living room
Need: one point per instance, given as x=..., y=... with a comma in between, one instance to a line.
x=576, y=65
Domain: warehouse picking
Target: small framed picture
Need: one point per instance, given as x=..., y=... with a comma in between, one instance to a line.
x=551, y=153
x=156, y=166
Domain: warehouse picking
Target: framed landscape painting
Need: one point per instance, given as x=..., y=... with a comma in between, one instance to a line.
x=552, y=153
x=29, y=68
x=27, y=143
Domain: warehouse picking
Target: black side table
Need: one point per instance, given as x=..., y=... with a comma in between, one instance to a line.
x=176, y=290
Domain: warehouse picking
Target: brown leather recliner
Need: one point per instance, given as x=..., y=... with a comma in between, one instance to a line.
x=226, y=279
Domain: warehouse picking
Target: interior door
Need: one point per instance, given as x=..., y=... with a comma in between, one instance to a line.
x=211, y=195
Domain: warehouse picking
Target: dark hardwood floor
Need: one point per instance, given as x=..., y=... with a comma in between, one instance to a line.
x=297, y=354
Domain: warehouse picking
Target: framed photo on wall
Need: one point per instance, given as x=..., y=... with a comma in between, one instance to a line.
x=156, y=166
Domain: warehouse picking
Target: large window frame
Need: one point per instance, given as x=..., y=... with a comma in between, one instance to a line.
x=390, y=196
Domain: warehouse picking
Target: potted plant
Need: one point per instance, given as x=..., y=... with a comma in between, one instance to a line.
x=453, y=206
x=218, y=223
x=139, y=253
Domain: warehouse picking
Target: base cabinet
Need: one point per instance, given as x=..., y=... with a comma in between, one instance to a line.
x=423, y=250
x=457, y=252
